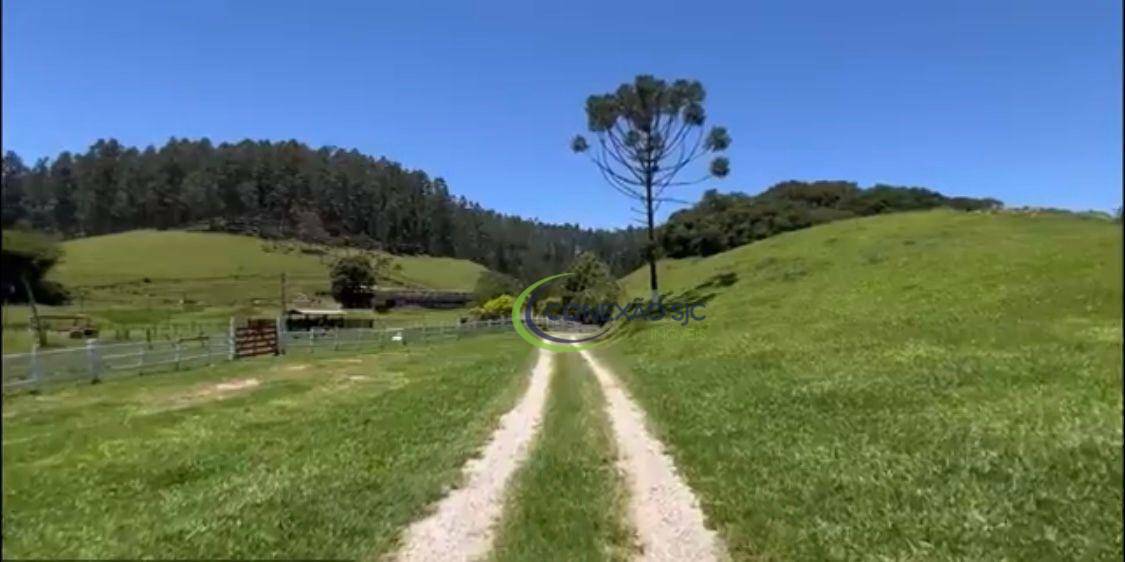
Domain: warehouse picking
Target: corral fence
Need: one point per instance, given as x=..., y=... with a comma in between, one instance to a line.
x=98, y=361
x=257, y=337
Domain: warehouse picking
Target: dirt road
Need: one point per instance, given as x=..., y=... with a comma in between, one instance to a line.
x=663, y=510
x=461, y=527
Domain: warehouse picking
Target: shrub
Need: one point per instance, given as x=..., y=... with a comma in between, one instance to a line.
x=499, y=307
x=352, y=279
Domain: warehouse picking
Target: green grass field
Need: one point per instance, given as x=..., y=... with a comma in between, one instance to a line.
x=186, y=282
x=932, y=386
x=221, y=268
x=921, y=386
x=567, y=502
x=327, y=456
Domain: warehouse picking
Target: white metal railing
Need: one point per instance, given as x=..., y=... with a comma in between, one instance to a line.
x=97, y=361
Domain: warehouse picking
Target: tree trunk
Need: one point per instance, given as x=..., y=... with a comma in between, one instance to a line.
x=40, y=335
x=651, y=251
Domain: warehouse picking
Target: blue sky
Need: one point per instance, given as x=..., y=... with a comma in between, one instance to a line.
x=1015, y=100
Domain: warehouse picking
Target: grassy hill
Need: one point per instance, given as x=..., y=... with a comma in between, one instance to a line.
x=930, y=385
x=199, y=279
x=223, y=268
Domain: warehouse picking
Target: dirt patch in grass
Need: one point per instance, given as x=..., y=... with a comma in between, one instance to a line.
x=236, y=385
x=218, y=391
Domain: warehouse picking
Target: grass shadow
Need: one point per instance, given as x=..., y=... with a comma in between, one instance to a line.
x=699, y=295
x=702, y=293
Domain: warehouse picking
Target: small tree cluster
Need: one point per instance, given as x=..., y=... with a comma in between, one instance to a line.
x=591, y=285
x=494, y=309
x=352, y=280
x=721, y=221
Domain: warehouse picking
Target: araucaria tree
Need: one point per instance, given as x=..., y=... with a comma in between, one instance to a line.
x=647, y=133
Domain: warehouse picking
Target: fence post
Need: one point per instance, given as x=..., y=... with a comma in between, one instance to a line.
x=311, y=339
x=93, y=360
x=230, y=339
x=176, y=348
x=280, y=335
x=36, y=368
x=336, y=340
x=144, y=352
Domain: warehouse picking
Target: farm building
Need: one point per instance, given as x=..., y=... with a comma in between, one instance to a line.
x=304, y=319
x=383, y=299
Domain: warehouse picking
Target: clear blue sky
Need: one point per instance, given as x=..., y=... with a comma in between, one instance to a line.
x=1018, y=100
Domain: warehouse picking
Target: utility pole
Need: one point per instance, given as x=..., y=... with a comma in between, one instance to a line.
x=39, y=335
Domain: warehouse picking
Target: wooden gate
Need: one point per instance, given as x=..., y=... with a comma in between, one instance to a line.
x=257, y=337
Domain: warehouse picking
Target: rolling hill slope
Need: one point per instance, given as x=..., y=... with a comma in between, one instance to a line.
x=178, y=282
x=927, y=385
x=218, y=268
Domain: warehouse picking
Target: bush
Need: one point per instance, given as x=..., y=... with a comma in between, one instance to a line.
x=352, y=280
x=591, y=286
x=499, y=307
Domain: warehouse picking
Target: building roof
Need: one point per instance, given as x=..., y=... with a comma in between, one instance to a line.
x=315, y=312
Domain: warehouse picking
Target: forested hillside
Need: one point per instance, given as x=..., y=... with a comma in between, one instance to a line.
x=334, y=196
x=720, y=222
x=288, y=189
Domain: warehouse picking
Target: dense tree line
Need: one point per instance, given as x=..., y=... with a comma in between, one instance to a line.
x=335, y=196
x=288, y=189
x=720, y=222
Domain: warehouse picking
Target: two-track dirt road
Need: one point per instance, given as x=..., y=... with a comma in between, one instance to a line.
x=663, y=511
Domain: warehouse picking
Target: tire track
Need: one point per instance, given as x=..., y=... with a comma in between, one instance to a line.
x=461, y=527
x=665, y=513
